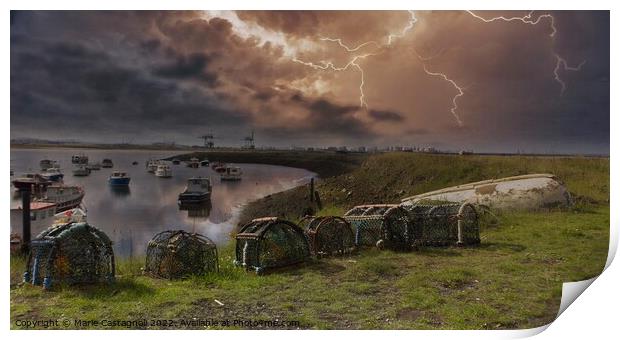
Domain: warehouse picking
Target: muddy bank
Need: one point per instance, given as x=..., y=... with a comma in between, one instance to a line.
x=348, y=180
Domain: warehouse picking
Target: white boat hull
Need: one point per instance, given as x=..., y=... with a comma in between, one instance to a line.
x=527, y=192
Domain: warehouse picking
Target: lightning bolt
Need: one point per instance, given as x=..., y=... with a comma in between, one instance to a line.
x=458, y=88
x=562, y=62
x=353, y=62
x=528, y=19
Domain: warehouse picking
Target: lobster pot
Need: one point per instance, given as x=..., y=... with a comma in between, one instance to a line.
x=71, y=253
x=174, y=254
x=270, y=242
x=328, y=235
x=384, y=225
x=444, y=224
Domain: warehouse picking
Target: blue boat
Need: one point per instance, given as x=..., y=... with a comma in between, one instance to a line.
x=119, y=178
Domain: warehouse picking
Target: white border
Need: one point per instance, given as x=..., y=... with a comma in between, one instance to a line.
x=592, y=314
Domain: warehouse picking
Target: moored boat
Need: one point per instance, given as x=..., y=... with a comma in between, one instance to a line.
x=81, y=170
x=93, y=166
x=64, y=196
x=48, y=163
x=176, y=161
x=152, y=164
x=231, y=173
x=41, y=218
x=164, y=171
x=79, y=159
x=119, y=178
x=107, y=163
x=198, y=190
x=29, y=181
x=53, y=174
x=215, y=165
x=204, y=162
x=193, y=162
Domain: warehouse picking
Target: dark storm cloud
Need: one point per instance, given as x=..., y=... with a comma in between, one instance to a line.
x=386, y=115
x=192, y=66
x=107, y=75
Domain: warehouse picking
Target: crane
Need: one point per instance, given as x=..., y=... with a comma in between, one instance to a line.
x=208, y=140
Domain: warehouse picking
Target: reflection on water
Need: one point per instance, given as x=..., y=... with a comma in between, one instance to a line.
x=198, y=210
x=120, y=191
x=132, y=215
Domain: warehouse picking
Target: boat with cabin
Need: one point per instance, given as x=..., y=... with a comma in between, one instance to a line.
x=119, y=178
x=198, y=190
x=204, y=162
x=152, y=164
x=93, y=166
x=30, y=181
x=218, y=167
x=48, y=163
x=107, y=163
x=176, y=161
x=193, y=162
x=231, y=173
x=164, y=171
x=81, y=170
x=53, y=174
x=41, y=218
x=64, y=196
x=79, y=159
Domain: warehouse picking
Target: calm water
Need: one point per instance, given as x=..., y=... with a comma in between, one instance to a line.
x=131, y=217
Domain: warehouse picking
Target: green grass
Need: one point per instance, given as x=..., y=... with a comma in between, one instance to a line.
x=513, y=279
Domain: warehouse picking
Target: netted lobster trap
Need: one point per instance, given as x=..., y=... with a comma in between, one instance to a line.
x=174, y=254
x=71, y=253
x=382, y=225
x=270, y=242
x=444, y=224
x=328, y=235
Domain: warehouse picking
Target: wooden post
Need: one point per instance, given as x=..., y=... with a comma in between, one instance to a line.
x=26, y=219
x=311, y=189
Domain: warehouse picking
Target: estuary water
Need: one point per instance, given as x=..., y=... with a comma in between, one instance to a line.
x=131, y=217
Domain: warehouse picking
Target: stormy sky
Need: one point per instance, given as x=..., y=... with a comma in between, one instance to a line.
x=488, y=81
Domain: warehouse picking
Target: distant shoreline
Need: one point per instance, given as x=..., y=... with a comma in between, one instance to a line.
x=189, y=149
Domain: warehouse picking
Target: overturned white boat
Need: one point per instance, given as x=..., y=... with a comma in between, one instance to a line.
x=526, y=192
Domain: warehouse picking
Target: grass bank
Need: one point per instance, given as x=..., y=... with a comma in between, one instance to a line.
x=512, y=280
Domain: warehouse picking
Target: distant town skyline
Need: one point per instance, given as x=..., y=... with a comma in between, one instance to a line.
x=453, y=80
